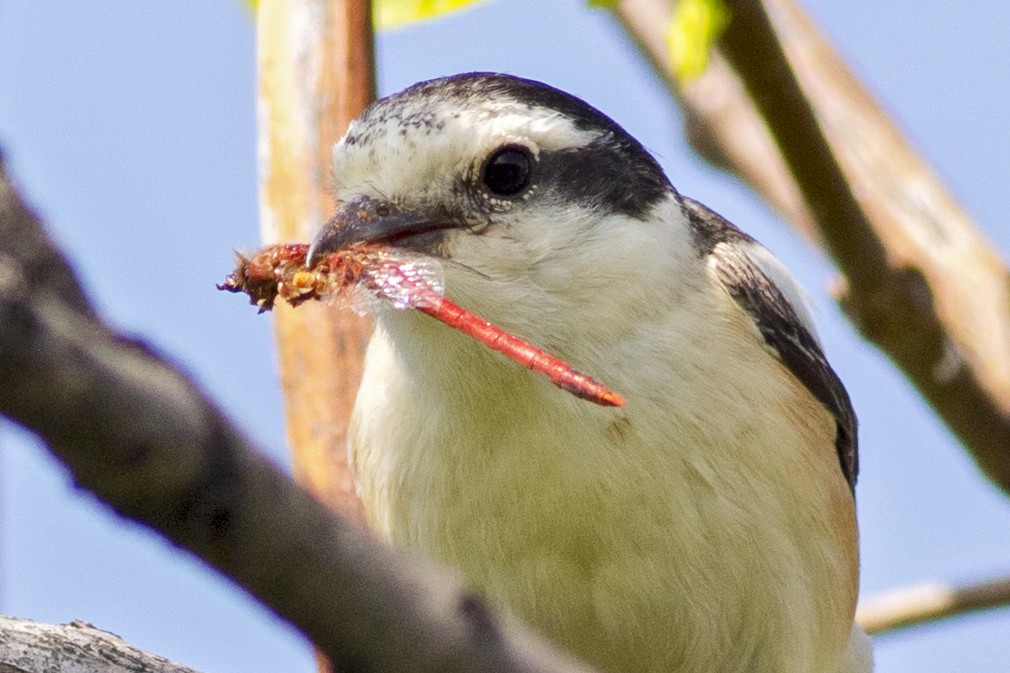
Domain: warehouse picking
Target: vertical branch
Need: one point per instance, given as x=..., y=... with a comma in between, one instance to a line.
x=316, y=74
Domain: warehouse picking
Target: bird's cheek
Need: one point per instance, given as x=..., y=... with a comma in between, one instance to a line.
x=474, y=247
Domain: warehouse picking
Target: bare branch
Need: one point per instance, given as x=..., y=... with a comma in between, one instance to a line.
x=27, y=646
x=39, y=263
x=930, y=602
x=316, y=74
x=922, y=283
x=141, y=436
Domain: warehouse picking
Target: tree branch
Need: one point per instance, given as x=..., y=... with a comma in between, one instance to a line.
x=930, y=602
x=922, y=282
x=316, y=74
x=27, y=646
x=141, y=436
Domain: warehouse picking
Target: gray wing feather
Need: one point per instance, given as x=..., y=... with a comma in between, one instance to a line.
x=779, y=323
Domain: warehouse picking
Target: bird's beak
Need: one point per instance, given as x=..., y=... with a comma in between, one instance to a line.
x=367, y=220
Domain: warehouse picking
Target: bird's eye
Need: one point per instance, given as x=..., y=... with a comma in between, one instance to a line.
x=509, y=170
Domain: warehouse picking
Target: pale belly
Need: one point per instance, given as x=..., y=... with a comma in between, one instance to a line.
x=632, y=540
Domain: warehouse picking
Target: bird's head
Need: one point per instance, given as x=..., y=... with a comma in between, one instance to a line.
x=528, y=195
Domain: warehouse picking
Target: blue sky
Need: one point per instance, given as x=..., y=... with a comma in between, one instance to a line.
x=131, y=127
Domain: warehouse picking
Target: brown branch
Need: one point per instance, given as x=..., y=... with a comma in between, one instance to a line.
x=140, y=435
x=720, y=119
x=316, y=74
x=931, y=602
x=922, y=283
x=752, y=49
x=28, y=646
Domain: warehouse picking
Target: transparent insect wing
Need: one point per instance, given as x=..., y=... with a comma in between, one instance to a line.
x=404, y=280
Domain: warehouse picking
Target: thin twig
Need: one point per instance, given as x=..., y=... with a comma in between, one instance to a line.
x=921, y=282
x=930, y=602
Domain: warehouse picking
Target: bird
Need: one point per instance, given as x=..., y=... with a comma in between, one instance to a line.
x=708, y=524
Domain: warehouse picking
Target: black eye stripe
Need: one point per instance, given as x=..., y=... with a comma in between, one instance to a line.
x=603, y=174
x=509, y=170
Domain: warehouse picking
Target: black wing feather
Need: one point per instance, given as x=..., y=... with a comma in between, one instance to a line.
x=777, y=321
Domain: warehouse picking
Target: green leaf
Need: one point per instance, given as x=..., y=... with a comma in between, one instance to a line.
x=695, y=26
x=396, y=13
x=602, y=4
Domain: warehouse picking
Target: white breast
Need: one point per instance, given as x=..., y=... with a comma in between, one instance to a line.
x=703, y=527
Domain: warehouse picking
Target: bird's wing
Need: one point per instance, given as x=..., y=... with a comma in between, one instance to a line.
x=773, y=300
